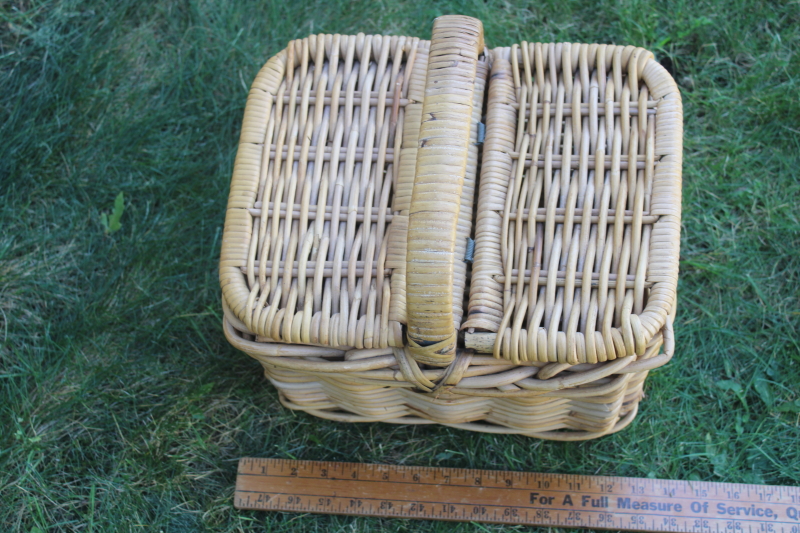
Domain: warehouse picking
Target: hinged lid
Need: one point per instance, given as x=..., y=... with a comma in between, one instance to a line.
x=351, y=148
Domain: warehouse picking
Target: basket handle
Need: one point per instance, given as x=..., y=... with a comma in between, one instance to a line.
x=444, y=138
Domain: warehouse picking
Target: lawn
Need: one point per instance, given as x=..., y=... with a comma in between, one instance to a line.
x=122, y=407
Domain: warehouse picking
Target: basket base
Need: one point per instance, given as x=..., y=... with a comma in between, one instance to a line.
x=340, y=416
x=548, y=401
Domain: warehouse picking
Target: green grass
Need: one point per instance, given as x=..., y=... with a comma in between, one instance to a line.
x=122, y=407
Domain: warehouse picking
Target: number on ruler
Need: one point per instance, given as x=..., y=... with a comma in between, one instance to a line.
x=637, y=520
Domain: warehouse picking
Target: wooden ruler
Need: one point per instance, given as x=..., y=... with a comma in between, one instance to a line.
x=515, y=497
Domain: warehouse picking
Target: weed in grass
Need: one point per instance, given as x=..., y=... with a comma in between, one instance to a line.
x=111, y=224
x=122, y=407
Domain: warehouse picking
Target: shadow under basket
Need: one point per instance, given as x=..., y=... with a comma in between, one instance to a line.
x=380, y=271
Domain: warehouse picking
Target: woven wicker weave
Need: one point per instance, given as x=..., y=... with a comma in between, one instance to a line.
x=351, y=209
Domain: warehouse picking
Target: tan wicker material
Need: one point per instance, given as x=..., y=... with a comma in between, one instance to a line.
x=343, y=260
x=578, y=229
x=440, y=219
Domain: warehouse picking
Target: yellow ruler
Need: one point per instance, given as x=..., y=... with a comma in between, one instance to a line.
x=557, y=500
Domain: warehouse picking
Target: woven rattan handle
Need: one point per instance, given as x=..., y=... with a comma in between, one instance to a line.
x=444, y=138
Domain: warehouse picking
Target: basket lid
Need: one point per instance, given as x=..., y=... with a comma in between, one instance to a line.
x=578, y=225
x=351, y=148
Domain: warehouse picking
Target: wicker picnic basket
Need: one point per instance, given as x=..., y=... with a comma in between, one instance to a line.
x=358, y=233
